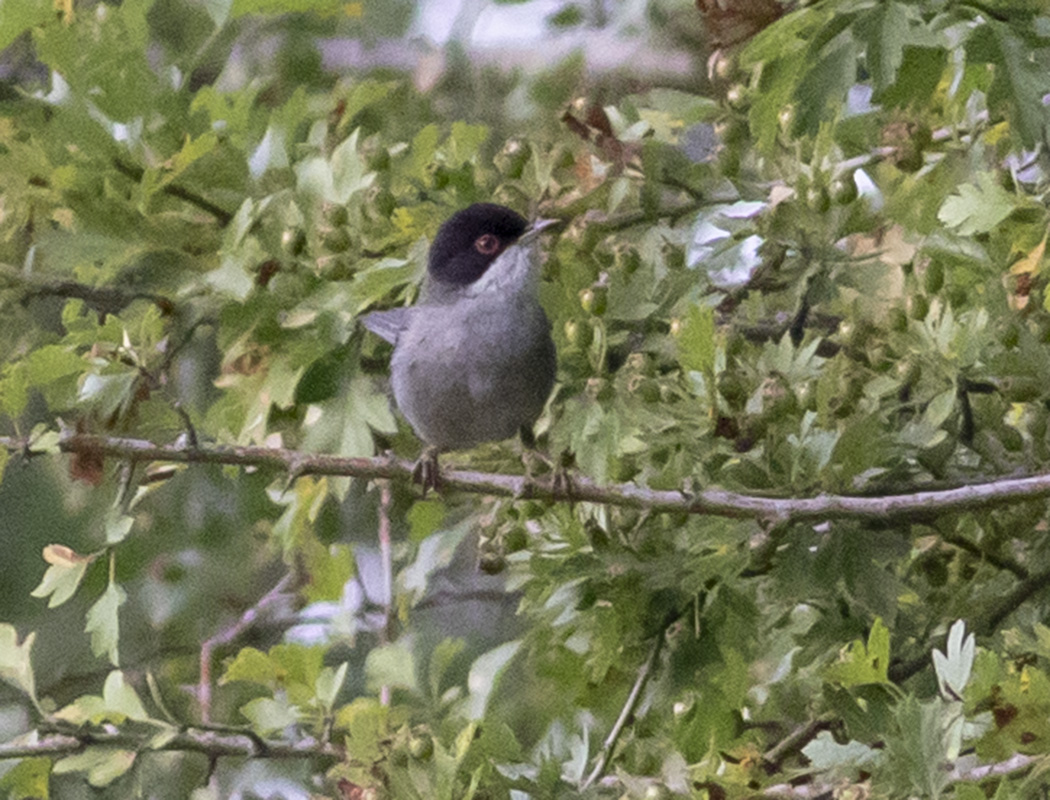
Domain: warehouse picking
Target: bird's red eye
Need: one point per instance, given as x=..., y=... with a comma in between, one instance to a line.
x=487, y=244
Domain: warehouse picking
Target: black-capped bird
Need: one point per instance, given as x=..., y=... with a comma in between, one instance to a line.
x=473, y=359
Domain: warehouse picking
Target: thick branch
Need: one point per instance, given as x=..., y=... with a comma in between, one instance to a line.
x=210, y=743
x=711, y=502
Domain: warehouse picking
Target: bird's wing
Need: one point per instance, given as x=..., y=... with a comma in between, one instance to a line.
x=387, y=324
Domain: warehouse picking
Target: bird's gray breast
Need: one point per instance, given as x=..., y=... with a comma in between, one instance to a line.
x=475, y=370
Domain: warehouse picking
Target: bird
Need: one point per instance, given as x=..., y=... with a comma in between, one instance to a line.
x=473, y=360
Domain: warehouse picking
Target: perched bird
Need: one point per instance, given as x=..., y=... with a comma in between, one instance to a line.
x=473, y=360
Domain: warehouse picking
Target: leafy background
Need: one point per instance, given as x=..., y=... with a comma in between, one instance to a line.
x=800, y=283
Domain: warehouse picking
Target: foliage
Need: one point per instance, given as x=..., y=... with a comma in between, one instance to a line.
x=824, y=273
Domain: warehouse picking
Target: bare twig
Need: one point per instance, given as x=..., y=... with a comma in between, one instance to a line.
x=197, y=740
x=999, y=562
x=1025, y=589
x=387, y=565
x=227, y=635
x=626, y=712
x=135, y=173
x=102, y=299
x=1014, y=765
x=796, y=740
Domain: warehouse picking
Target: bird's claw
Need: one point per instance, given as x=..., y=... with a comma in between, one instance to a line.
x=561, y=478
x=426, y=471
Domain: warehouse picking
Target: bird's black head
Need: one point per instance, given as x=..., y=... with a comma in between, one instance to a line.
x=470, y=240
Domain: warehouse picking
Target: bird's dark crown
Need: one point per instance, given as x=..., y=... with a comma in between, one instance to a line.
x=470, y=240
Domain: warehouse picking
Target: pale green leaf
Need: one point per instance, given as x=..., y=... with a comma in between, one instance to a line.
x=103, y=623
x=120, y=698
x=15, y=665
x=824, y=753
x=977, y=208
x=253, y=666
x=268, y=714
x=391, y=665
x=485, y=673
x=328, y=684
x=103, y=765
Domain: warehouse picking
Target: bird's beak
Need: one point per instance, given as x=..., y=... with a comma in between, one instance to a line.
x=533, y=232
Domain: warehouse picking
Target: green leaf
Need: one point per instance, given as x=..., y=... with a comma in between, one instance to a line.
x=251, y=665
x=17, y=16
x=366, y=721
x=919, y=749
x=108, y=395
x=1020, y=82
x=823, y=88
x=466, y=140
x=16, y=668
x=391, y=665
x=121, y=699
x=861, y=663
x=118, y=526
x=268, y=714
x=424, y=518
x=329, y=568
x=243, y=7
x=977, y=208
x=824, y=753
x=328, y=684
x=349, y=174
x=484, y=676
x=696, y=340
x=918, y=77
x=103, y=623
x=29, y=779
x=440, y=660
x=885, y=29
x=103, y=765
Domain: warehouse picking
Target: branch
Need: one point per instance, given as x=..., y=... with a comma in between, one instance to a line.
x=102, y=299
x=709, y=502
x=227, y=635
x=984, y=625
x=626, y=712
x=135, y=173
x=796, y=740
x=195, y=740
x=1014, y=765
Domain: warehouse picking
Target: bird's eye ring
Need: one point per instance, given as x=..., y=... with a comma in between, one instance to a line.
x=487, y=244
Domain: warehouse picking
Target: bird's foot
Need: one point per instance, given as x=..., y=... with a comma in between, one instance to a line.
x=561, y=479
x=561, y=470
x=426, y=471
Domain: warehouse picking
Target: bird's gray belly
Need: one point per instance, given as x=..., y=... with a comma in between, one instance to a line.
x=460, y=385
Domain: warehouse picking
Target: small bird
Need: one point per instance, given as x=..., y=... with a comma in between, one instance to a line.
x=473, y=360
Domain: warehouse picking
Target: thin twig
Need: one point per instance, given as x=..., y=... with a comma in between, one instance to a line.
x=796, y=740
x=1000, y=562
x=135, y=173
x=101, y=299
x=227, y=635
x=626, y=712
x=386, y=558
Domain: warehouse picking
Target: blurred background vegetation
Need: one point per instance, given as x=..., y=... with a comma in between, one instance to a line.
x=803, y=255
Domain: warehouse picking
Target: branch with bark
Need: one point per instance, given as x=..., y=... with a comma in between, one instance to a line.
x=711, y=501
x=212, y=743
